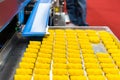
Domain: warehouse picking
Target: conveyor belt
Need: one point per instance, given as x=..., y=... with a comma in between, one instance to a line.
x=38, y=20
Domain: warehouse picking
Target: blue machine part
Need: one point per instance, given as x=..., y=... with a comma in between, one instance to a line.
x=30, y=20
x=21, y=16
x=38, y=20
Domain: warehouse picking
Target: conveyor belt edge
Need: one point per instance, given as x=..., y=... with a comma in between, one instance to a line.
x=28, y=30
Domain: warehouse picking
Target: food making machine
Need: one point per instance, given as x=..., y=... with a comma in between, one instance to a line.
x=24, y=20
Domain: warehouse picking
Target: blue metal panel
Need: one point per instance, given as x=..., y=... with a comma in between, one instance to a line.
x=30, y=20
x=27, y=34
x=21, y=16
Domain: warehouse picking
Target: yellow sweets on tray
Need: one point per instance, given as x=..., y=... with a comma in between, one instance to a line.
x=59, y=66
x=29, y=60
x=33, y=46
x=43, y=60
x=51, y=30
x=44, y=55
x=83, y=40
x=114, y=51
x=21, y=71
x=44, y=50
x=32, y=50
x=88, y=55
x=94, y=71
x=96, y=77
x=107, y=65
x=115, y=55
x=102, y=55
x=59, y=60
x=59, y=38
x=111, y=46
x=61, y=51
x=106, y=39
x=47, y=47
x=74, y=66
x=42, y=66
x=26, y=65
x=73, y=47
x=90, y=60
x=94, y=39
x=87, y=51
x=74, y=60
x=118, y=64
x=86, y=46
x=78, y=77
x=35, y=42
x=105, y=60
x=58, y=55
x=60, y=77
x=30, y=55
x=22, y=77
x=59, y=71
x=59, y=47
x=72, y=43
x=74, y=55
x=73, y=51
x=106, y=43
x=92, y=65
x=60, y=43
x=113, y=76
x=111, y=70
x=47, y=42
x=75, y=72
x=91, y=32
x=42, y=71
x=117, y=59
x=41, y=77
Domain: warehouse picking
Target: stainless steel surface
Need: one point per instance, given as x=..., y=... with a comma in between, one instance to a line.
x=99, y=48
x=6, y=49
x=59, y=19
x=82, y=27
x=11, y=63
x=10, y=56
